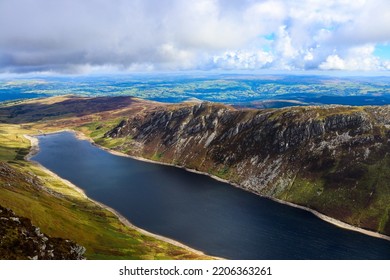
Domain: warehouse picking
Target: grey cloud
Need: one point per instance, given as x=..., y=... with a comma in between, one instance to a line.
x=45, y=32
x=79, y=35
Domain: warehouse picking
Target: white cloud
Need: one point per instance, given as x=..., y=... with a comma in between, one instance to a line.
x=264, y=17
x=356, y=58
x=333, y=62
x=172, y=57
x=386, y=64
x=308, y=56
x=369, y=24
x=242, y=60
x=93, y=35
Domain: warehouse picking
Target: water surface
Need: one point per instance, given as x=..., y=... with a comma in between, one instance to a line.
x=196, y=210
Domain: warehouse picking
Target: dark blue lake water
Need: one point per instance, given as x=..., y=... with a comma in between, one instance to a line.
x=196, y=210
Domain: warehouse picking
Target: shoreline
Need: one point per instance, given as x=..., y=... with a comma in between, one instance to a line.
x=319, y=215
x=35, y=149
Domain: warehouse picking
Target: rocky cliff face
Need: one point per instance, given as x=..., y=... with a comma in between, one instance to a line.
x=19, y=239
x=334, y=159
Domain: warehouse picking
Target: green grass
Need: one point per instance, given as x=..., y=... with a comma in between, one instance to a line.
x=89, y=225
x=223, y=172
x=97, y=129
x=67, y=213
x=157, y=156
x=363, y=202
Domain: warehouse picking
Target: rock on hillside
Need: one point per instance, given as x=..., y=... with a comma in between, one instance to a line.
x=19, y=239
x=334, y=159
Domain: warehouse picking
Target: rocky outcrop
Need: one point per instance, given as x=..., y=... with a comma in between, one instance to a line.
x=320, y=157
x=19, y=239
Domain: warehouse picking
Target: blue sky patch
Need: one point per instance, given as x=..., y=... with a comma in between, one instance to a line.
x=382, y=51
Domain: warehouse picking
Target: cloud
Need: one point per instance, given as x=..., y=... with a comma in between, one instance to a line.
x=248, y=60
x=368, y=25
x=333, y=62
x=357, y=58
x=82, y=36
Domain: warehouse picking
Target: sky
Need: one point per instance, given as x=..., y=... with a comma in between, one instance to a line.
x=99, y=36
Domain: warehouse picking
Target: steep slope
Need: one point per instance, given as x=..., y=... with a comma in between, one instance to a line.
x=61, y=211
x=333, y=159
x=19, y=239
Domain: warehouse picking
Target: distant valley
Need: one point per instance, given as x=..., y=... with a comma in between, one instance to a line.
x=242, y=90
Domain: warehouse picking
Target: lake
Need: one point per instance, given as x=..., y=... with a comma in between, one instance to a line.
x=203, y=213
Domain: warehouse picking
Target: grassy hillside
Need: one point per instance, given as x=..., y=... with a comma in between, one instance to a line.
x=61, y=211
x=332, y=159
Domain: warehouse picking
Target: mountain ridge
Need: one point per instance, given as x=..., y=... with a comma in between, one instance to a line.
x=330, y=159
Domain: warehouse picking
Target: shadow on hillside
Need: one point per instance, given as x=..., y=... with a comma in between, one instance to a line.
x=76, y=106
